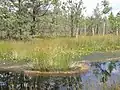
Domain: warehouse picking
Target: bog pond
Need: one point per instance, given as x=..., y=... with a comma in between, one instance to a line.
x=101, y=75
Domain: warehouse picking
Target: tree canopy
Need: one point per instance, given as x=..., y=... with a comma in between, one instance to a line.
x=21, y=19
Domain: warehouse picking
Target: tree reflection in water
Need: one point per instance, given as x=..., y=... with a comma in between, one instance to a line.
x=104, y=69
x=16, y=81
x=101, y=70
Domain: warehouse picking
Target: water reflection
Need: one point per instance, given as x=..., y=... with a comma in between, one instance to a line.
x=101, y=76
x=103, y=70
x=15, y=81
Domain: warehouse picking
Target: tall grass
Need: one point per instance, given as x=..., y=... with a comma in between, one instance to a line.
x=58, y=53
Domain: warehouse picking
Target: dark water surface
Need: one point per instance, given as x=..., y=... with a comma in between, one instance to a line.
x=101, y=76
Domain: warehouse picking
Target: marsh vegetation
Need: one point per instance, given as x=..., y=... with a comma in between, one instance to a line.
x=55, y=54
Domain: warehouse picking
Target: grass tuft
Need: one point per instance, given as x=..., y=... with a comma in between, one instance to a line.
x=56, y=53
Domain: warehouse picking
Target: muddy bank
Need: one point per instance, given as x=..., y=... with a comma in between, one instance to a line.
x=83, y=68
x=75, y=69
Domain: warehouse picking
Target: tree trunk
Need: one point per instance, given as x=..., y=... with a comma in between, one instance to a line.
x=117, y=33
x=97, y=29
x=104, y=26
x=20, y=31
x=93, y=32
x=19, y=6
x=72, y=33
x=77, y=32
x=8, y=34
x=85, y=33
x=33, y=20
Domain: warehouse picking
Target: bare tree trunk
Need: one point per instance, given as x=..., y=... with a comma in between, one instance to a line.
x=97, y=29
x=8, y=34
x=93, y=32
x=33, y=19
x=72, y=25
x=104, y=25
x=19, y=6
x=85, y=33
x=117, y=33
x=77, y=32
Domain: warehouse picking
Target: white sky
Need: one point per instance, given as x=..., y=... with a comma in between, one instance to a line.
x=91, y=4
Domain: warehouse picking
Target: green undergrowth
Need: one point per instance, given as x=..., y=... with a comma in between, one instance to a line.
x=52, y=54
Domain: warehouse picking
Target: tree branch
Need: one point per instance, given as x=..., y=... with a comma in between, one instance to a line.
x=45, y=11
x=13, y=3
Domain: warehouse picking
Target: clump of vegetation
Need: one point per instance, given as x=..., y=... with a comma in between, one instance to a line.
x=56, y=54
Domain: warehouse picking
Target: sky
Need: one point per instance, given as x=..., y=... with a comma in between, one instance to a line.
x=91, y=4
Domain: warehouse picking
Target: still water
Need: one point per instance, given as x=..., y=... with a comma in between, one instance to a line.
x=100, y=76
